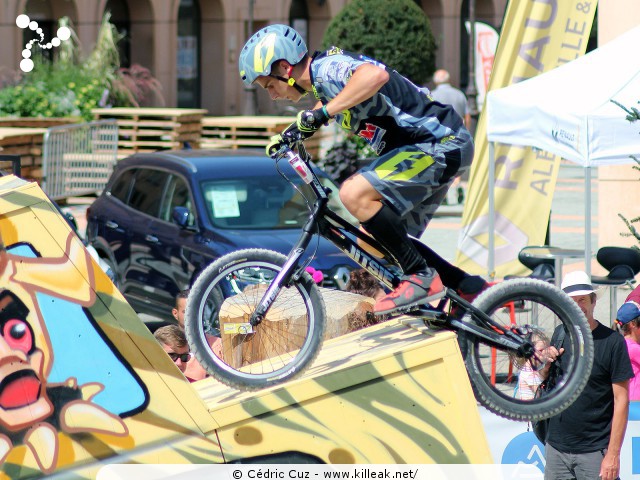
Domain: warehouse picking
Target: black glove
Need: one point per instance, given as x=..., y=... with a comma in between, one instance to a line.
x=309, y=121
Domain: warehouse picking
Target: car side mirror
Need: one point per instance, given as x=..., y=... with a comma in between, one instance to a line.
x=180, y=215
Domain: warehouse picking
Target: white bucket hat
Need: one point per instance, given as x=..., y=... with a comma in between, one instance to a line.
x=577, y=283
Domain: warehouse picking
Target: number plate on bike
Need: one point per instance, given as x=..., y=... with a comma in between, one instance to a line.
x=242, y=328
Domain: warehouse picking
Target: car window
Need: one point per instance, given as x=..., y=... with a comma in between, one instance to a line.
x=146, y=195
x=260, y=203
x=122, y=185
x=177, y=196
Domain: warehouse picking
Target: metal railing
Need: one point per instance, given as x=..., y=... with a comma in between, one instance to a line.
x=78, y=159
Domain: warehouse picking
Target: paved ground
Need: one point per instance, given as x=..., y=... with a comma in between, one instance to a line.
x=567, y=226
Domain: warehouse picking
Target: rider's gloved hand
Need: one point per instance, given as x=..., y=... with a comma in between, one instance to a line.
x=309, y=121
x=288, y=135
x=275, y=142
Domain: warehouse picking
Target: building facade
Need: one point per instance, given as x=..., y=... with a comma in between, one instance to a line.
x=192, y=46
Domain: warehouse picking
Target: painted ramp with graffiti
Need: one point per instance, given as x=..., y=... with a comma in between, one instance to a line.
x=83, y=383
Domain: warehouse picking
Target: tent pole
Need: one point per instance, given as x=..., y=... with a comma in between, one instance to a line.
x=492, y=230
x=587, y=220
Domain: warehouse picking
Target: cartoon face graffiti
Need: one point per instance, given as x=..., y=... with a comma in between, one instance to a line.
x=23, y=398
x=48, y=391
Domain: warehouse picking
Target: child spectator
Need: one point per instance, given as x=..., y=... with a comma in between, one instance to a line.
x=628, y=318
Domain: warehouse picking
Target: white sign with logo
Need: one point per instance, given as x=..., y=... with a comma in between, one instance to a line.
x=511, y=443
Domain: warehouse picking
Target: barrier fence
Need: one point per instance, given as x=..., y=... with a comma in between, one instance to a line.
x=78, y=159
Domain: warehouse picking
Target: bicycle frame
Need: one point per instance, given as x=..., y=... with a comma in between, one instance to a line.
x=325, y=222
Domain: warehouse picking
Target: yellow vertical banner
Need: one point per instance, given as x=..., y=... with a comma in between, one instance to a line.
x=537, y=36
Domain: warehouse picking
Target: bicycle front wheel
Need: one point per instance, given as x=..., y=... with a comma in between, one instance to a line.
x=277, y=349
x=532, y=309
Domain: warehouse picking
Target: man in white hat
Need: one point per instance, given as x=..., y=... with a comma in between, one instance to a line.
x=584, y=441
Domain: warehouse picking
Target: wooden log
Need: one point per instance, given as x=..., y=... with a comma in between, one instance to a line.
x=284, y=328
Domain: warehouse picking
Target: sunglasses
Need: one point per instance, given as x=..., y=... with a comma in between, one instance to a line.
x=184, y=357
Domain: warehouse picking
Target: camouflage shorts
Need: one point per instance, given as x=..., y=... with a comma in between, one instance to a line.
x=414, y=179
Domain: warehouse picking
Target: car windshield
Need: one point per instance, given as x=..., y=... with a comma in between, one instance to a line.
x=263, y=203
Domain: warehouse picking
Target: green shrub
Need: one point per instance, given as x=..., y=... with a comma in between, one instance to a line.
x=71, y=86
x=395, y=32
x=54, y=91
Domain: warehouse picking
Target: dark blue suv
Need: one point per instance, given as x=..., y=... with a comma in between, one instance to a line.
x=164, y=216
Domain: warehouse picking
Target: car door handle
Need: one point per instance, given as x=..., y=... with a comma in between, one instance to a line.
x=151, y=238
x=110, y=224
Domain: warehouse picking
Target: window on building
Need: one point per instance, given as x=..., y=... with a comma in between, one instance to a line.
x=188, y=61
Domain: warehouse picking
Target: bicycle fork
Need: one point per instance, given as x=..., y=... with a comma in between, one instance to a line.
x=289, y=269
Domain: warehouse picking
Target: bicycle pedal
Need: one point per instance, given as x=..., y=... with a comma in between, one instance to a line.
x=429, y=314
x=397, y=312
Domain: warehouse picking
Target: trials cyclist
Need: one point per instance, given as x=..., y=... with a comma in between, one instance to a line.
x=422, y=146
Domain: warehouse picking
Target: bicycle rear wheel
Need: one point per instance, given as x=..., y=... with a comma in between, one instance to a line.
x=532, y=309
x=280, y=347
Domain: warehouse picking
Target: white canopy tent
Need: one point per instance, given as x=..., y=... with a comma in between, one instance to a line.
x=569, y=111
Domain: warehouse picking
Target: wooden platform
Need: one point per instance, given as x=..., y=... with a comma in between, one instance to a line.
x=252, y=132
x=151, y=129
x=26, y=142
x=240, y=132
x=396, y=392
x=34, y=122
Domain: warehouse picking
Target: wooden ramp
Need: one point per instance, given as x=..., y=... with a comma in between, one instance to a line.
x=87, y=384
x=392, y=393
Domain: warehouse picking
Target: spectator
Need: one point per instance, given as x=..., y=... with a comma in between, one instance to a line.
x=584, y=441
x=363, y=283
x=529, y=378
x=634, y=296
x=174, y=342
x=194, y=368
x=628, y=318
x=180, y=307
x=445, y=93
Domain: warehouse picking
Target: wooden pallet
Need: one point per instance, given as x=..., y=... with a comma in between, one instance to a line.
x=152, y=129
x=26, y=142
x=34, y=122
x=248, y=132
x=239, y=132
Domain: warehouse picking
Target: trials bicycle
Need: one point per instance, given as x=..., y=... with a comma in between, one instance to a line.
x=272, y=316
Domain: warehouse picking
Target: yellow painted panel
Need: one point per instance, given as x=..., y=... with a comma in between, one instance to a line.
x=83, y=382
x=393, y=393
x=81, y=378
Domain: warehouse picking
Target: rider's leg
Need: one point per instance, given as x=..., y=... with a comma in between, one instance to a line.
x=412, y=180
x=386, y=226
x=364, y=203
x=450, y=274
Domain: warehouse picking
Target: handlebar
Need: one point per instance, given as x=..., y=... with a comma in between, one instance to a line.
x=292, y=139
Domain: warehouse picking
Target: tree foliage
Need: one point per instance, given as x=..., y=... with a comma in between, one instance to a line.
x=395, y=32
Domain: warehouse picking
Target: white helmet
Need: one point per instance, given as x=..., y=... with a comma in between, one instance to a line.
x=272, y=43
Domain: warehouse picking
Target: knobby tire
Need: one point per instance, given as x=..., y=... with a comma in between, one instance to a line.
x=279, y=348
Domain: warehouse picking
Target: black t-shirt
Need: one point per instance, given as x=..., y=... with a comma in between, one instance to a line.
x=585, y=426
